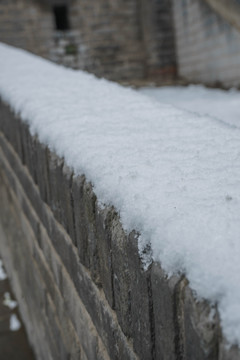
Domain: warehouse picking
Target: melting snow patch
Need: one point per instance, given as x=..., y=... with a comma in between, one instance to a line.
x=220, y=104
x=7, y=301
x=15, y=324
x=3, y=275
x=172, y=174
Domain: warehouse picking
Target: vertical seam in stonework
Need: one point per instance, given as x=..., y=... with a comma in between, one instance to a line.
x=72, y=210
x=178, y=321
x=48, y=192
x=111, y=266
x=112, y=280
x=151, y=316
x=35, y=177
x=22, y=147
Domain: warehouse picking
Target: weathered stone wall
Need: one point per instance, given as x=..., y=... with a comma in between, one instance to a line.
x=108, y=37
x=25, y=24
x=77, y=276
x=208, y=47
x=119, y=40
x=132, y=40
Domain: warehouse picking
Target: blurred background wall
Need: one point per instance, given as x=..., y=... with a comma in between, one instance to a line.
x=134, y=40
x=208, y=45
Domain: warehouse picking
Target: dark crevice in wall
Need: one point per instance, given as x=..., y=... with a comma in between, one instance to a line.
x=61, y=17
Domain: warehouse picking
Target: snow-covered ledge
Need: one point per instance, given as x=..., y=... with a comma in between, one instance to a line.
x=113, y=207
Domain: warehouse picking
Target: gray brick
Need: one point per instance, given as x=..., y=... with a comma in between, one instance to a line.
x=85, y=225
x=163, y=294
x=201, y=328
x=133, y=311
x=103, y=234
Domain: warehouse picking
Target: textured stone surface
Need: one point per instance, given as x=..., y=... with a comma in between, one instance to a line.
x=201, y=327
x=98, y=309
x=104, y=249
x=26, y=24
x=130, y=280
x=164, y=303
x=28, y=249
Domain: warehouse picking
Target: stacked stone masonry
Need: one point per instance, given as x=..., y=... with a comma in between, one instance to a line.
x=23, y=25
x=77, y=276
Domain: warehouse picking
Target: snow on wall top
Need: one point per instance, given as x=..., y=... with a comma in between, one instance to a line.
x=220, y=104
x=173, y=175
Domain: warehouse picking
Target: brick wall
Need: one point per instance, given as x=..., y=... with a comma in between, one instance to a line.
x=208, y=47
x=109, y=38
x=77, y=276
x=26, y=25
x=119, y=40
x=129, y=40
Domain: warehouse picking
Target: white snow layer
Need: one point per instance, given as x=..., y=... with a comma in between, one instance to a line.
x=14, y=324
x=8, y=301
x=172, y=174
x=220, y=104
x=3, y=274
